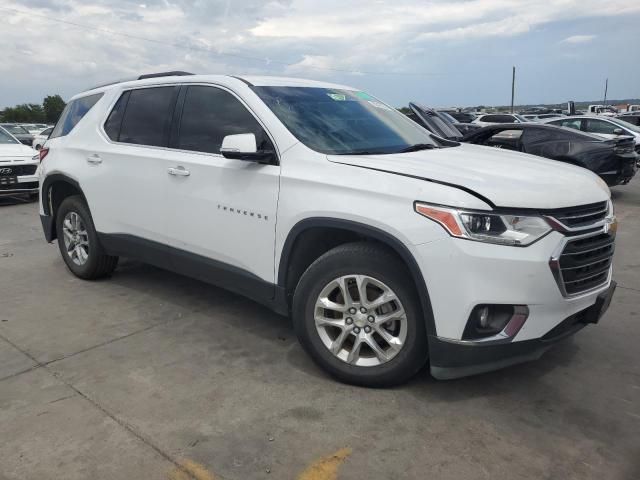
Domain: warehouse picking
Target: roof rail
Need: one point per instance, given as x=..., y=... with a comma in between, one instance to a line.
x=176, y=73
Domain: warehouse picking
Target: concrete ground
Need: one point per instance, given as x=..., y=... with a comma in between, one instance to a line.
x=149, y=375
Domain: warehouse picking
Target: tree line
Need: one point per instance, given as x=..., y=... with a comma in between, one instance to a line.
x=48, y=112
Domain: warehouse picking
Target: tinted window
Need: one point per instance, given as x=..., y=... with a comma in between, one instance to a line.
x=73, y=113
x=114, y=121
x=147, y=116
x=210, y=114
x=600, y=126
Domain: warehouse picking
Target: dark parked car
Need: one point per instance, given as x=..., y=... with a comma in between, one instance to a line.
x=632, y=118
x=21, y=133
x=614, y=160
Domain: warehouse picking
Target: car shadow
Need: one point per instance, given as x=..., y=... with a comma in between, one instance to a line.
x=239, y=312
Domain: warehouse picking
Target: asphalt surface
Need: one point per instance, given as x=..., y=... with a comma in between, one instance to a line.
x=149, y=375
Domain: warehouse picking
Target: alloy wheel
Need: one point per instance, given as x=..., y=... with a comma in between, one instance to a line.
x=360, y=320
x=76, y=238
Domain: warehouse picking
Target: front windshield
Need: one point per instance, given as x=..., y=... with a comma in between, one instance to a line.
x=626, y=125
x=343, y=122
x=6, y=139
x=15, y=129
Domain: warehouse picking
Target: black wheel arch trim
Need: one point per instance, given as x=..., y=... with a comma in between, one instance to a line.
x=49, y=181
x=369, y=231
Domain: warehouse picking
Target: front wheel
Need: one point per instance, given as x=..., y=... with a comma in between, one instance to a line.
x=357, y=313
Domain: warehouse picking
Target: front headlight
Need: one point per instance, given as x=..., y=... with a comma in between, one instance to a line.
x=503, y=229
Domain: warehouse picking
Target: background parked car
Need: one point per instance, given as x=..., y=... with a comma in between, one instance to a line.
x=614, y=160
x=39, y=139
x=606, y=127
x=21, y=133
x=18, y=165
x=632, y=118
x=492, y=118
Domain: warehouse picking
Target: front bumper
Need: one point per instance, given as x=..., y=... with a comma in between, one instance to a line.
x=462, y=274
x=25, y=184
x=453, y=359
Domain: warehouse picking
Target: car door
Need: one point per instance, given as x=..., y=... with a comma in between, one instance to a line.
x=126, y=173
x=222, y=212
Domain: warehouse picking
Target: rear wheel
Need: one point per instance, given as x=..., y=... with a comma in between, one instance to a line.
x=78, y=241
x=357, y=314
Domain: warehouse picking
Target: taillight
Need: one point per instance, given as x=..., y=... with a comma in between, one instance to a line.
x=43, y=153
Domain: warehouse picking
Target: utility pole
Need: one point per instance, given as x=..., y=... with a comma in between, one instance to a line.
x=513, y=87
x=606, y=86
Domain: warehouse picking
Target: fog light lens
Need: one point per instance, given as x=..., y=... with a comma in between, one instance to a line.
x=499, y=321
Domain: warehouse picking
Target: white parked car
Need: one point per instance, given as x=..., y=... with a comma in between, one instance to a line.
x=18, y=165
x=40, y=139
x=607, y=127
x=492, y=118
x=34, y=128
x=388, y=246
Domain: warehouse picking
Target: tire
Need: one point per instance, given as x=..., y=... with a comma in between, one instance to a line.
x=93, y=263
x=378, y=271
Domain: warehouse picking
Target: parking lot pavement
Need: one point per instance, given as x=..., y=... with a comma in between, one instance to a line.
x=156, y=376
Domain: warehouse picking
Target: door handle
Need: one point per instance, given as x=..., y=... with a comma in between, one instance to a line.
x=178, y=171
x=94, y=159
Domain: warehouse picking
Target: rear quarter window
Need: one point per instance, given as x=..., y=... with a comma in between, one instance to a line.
x=73, y=113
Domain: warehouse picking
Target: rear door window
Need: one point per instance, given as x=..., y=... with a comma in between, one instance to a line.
x=147, y=117
x=209, y=114
x=600, y=126
x=73, y=113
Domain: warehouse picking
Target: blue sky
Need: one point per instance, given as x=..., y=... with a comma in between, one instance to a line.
x=441, y=53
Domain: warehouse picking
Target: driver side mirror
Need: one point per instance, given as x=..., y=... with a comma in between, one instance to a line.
x=618, y=131
x=242, y=146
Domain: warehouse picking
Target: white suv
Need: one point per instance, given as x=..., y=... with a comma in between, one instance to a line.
x=387, y=245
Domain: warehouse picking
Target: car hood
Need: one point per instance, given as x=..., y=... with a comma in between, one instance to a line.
x=506, y=179
x=16, y=150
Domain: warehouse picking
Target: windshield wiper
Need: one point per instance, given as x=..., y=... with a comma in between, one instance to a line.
x=360, y=152
x=417, y=147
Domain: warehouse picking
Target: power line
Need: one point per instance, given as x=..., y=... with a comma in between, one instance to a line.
x=220, y=54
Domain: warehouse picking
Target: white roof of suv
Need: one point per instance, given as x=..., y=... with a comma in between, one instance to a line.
x=257, y=80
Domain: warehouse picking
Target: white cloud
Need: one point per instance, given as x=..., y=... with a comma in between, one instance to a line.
x=578, y=39
x=110, y=39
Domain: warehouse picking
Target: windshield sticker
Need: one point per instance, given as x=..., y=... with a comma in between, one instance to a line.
x=364, y=96
x=378, y=105
x=338, y=97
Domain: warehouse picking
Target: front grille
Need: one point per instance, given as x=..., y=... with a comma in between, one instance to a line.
x=585, y=262
x=583, y=216
x=17, y=170
x=18, y=186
